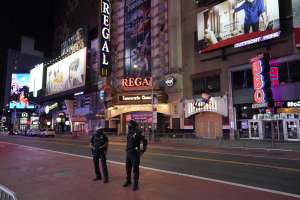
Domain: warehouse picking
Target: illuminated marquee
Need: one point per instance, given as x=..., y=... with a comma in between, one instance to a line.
x=135, y=98
x=105, y=49
x=137, y=82
x=261, y=79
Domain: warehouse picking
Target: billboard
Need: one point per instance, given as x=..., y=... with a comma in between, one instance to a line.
x=137, y=38
x=67, y=74
x=235, y=21
x=75, y=42
x=36, y=79
x=19, y=92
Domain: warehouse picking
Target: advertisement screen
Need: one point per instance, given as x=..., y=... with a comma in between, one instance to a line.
x=19, y=92
x=137, y=38
x=36, y=79
x=67, y=74
x=235, y=21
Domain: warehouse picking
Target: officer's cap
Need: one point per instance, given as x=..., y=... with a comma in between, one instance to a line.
x=133, y=123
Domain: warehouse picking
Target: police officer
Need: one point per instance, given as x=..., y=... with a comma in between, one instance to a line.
x=133, y=153
x=99, y=144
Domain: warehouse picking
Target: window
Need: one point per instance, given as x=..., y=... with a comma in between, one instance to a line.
x=294, y=71
x=242, y=79
x=210, y=84
x=283, y=74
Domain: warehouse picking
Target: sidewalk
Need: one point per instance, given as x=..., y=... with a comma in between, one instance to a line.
x=46, y=175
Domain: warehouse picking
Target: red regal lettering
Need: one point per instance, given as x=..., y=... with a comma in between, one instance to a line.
x=146, y=82
x=125, y=83
x=131, y=82
x=138, y=82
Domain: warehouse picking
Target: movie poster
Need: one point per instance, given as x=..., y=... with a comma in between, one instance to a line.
x=137, y=38
x=67, y=74
x=235, y=21
x=19, y=92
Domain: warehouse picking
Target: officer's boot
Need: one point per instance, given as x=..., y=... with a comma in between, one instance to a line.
x=135, y=186
x=127, y=183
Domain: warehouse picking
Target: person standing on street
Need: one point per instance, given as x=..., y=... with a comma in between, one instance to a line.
x=254, y=9
x=133, y=153
x=99, y=145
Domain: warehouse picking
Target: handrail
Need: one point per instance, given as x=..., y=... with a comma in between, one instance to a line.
x=5, y=190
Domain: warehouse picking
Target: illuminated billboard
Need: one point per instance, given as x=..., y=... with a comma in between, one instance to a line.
x=67, y=74
x=236, y=21
x=137, y=38
x=19, y=92
x=36, y=79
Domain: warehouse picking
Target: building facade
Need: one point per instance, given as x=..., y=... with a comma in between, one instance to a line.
x=146, y=81
x=217, y=47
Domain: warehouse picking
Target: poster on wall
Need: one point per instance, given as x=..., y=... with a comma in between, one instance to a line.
x=19, y=92
x=235, y=21
x=36, y=79
x=137, y=38
x=67, y=74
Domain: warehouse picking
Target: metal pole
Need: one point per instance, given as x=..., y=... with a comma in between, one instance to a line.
x=272, y=132
x=152, y=94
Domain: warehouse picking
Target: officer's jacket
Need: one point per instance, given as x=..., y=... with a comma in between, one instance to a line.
x=98, y=141
x=134, y=139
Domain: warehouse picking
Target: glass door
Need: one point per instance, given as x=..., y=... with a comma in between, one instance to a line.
x=291, y=130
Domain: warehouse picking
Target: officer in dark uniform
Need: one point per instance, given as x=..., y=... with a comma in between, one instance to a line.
x=133, y=153
x=99, y=144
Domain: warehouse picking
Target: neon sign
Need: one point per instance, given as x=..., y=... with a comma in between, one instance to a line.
x=261, y=79
x=105, y=48
x=137, y=82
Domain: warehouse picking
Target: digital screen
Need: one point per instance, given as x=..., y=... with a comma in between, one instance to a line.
x=19, y=92
x=36, y=79
x=137, y=38
x=235, y=21
x=67, y=74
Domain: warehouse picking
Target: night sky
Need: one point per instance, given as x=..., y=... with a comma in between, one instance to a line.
x=32, y=18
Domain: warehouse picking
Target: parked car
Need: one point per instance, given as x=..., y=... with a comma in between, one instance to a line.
x=47, y=133
x=33, y=132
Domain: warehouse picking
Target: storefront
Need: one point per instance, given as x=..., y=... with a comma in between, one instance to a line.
x=279, y=122
x=208, y=116
x=139, y=107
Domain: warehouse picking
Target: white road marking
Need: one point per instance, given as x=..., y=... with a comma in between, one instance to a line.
x=169, y=172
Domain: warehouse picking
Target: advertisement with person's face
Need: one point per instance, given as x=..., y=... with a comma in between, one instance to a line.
x=235, y=21
x=19, y=92
x=137, y=38
x=67, y=74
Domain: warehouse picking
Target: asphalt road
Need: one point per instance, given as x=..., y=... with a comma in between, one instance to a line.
x=274, y=172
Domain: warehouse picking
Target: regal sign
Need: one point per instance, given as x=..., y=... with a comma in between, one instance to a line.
x=105, y=31
x=261, y=79
x=137, y=82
